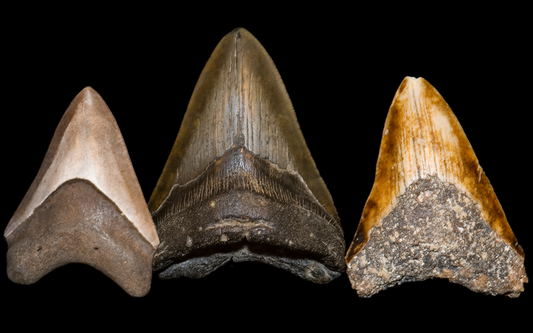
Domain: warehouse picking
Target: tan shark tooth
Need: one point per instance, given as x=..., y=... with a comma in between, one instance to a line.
x=240, y=183
x=85, y=205
x=432, y=212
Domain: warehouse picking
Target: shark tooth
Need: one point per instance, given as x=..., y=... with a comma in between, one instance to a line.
x=240, y=183
x=85, y=205
x=432, y=212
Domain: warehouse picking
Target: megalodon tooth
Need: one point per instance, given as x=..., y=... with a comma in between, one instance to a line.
x=85, y=205
x=432, y=212
x=240, y=183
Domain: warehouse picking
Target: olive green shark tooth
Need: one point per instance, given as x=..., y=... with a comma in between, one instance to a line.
x=240, y=183
x=85, y=205
x=432, y=212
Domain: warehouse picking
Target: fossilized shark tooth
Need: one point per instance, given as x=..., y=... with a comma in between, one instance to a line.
x=240, y=183
x=432, y=211
x=85, y=205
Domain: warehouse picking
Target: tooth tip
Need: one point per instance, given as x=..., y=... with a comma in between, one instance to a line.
x=414, y=78
x=88, y=90
x=239, y=34
x=239, y=30
x=88, y=93
x=418, y=89
x=414, y=81
x=89, y=97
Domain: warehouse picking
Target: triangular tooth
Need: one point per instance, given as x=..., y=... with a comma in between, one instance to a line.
x=108, y=227
x=432, y=212
x=239, y=154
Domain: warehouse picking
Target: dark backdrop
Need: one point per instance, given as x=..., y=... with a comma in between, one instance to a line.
x=341, y=75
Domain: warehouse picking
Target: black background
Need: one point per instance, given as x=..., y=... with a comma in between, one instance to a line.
x=341, y=73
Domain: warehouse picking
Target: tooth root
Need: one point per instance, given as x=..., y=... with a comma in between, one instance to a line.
x=85, y=205
x=432, y=211
x=240, y=139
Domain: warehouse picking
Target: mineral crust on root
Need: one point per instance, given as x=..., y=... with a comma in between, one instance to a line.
x=436, y=231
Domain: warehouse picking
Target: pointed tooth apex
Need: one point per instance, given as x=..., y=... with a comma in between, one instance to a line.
x=85, y=205
x=432, y=211
x=88, y=94
x=238, y=31
x=240, y=175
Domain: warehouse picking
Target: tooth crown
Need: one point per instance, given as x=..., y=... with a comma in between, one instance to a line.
x=421, y=138
x=239, y=92
x=86, y=146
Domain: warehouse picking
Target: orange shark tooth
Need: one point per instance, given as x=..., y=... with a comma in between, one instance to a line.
x=240, y=183
x=85, y=205
x=432, y=212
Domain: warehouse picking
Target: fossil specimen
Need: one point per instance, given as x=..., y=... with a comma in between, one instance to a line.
x=240, y=183
x=85, y=205
x=432, y=211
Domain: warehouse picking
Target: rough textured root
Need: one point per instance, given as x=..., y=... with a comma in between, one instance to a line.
x=436, y=231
